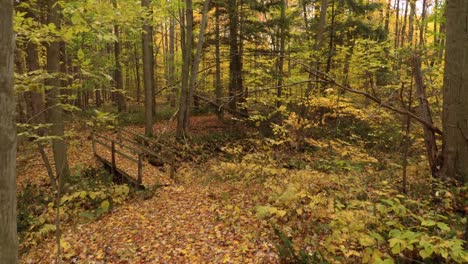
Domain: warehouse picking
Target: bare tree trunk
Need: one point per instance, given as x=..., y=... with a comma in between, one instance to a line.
x=234, y=63
x=423, y=23
x=184, y=109
x=119, y=95
x=411, y=22
x=8, y=235
x=397, y=22
x=425, y=112
x=55, y=111
x=387, y=16
x=282, y=33
x=147, y=73
x=219, y=85
x=403, y=28
x=332, y=36
x=186, y=41
x=137, y=74
x=318, y=43
x=172, y=61
x=455, y=105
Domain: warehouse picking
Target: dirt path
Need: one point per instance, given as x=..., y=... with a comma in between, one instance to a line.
x=179, y=224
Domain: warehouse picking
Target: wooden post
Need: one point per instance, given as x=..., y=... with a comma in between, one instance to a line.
x=140, y=168
x=114, y=166
x=119, y=135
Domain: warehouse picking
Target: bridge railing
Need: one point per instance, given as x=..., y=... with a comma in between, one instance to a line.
x=111, y=145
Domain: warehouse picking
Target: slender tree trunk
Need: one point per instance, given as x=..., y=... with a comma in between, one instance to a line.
x=397, y=23
x=423, y=23
x=411, y=22
x=332, y=35
x=387, y=16
x=403, y=28
x=318, y=43
x=425, y=112
x=154, y=70
x=8, y=235
x=186, y=40
x=172, y=61
x=234, y=63
x=137, y=74
x=218, y=85
x=55, y=111
x=120, y=94
x=184, y=109
x=147, y=73
x=455, y=105
x=279, y=91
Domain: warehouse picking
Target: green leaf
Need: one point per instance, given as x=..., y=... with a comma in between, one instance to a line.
x=443, y=226
x=428, y=223
x=80, y=54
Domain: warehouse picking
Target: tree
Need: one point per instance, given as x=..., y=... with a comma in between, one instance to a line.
x=190, y=69
x=455, y=92
x=55, y=111
x=8, y=236
x=147, y=43
x=119, y=95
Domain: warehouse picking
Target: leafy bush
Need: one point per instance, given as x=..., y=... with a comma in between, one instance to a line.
x=332, y=215
x=90, y=195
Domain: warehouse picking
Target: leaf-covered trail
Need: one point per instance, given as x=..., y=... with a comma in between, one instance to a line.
x=180, y=224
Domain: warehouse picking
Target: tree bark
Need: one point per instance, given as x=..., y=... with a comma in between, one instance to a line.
x=172, y=61
x=184, y=107
x=147, y=73
x=318, y=43
x=218, y=84
x=119, y=95
x=282, y=44
x=186, y=41
x=455, y=105
x=235, y=59
x=55, y=111
x=8, y=235
x=425, y=112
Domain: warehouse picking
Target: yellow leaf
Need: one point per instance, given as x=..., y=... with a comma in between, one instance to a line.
x=281, y=213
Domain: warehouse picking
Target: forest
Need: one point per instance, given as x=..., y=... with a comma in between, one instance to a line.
x=233, y=131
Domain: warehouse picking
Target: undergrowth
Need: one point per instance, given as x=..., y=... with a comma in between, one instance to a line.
x=89, y=195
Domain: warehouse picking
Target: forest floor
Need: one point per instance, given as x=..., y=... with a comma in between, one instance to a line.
x=194, y=221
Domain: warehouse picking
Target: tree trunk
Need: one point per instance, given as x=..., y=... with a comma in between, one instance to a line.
x=234, y=63
x=423, y=23
x=55, y=111
x=184, y=108
x=318, y=43
x=172, y=61
x=218, y=84
x=147, y=73
x=403, y=27
x=455, y=105
x=137, y=74
x=8, y=235
x=387, y=16
x=397, y=22
x=332, y=35
x=411, y=22
x=186, y=41
x=425, y=112
x=119, y=95
x=279, y=91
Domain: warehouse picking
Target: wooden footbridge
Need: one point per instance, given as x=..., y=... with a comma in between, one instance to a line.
x=128, y=155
